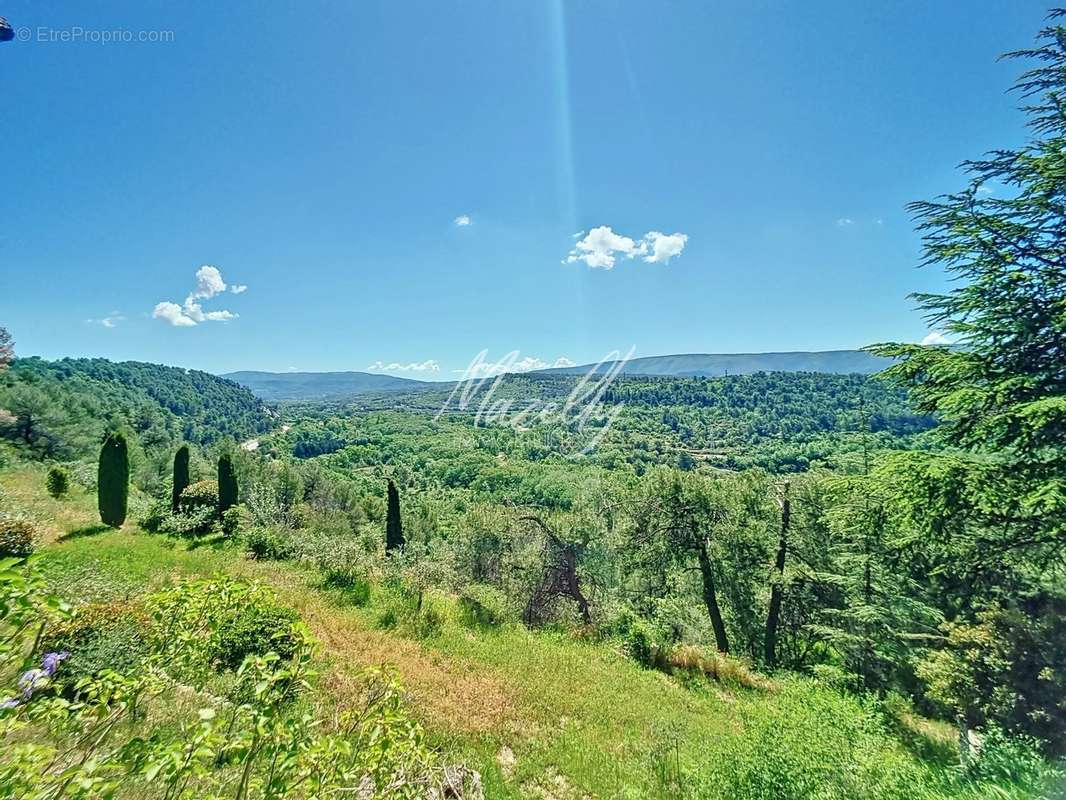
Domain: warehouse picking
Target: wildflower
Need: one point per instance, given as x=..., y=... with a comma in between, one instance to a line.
x=50, y=662
x=29, y=680
x=33, y=678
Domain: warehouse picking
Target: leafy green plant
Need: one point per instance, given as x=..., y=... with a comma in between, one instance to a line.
x=267, y=543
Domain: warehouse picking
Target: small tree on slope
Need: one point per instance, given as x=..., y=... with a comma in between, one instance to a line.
x=113, y=480
x=227, y=483
x=393, y=525
x=181, y=476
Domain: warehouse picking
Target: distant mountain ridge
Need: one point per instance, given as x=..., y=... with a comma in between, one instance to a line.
x=281, y=386
x=277, y=386
x=693, y=365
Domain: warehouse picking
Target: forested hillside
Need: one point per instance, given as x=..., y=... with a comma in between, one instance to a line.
x=60, y=409
x=783, y=422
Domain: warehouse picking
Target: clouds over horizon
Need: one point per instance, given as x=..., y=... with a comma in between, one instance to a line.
x=480, y=368
x=601, y=247
x=110, y=321
x=429, y=365
x=209, y=283
x=937, y=338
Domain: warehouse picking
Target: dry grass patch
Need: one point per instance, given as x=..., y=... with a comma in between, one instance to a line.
x=448, y=694
x=23, y=491
x=721, y=668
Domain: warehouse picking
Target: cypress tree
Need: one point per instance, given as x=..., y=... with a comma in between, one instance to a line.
x=393, y=526
x=113, y=480
x=181, y=476
x=227, y=483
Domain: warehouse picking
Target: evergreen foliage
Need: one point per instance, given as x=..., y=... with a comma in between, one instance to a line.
x=181, y=476
x=113, y=480
x=393, y=524
x=57, y=482
x=227, y=483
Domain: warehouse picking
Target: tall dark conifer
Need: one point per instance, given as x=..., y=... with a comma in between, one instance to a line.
x=227, y=483
x=113, y=480
x=393, y=525
x=181, y=476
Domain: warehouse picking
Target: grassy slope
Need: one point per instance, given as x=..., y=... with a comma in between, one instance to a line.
x=540, y=714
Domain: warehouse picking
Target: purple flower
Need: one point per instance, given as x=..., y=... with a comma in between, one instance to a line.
x=29, y=680
x=50, y=662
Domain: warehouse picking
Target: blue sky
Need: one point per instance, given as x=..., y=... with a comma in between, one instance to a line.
x=322, y=154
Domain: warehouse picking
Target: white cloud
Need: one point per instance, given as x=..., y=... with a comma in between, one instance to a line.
x=511, y=363
x=602, y=247
x=209, y=283
x=429, y=365
x=984, y=188
x=110, y=321
x=664, y=246
x=196, y=313
x=843, y=222
x=172, y=313
x=462, y=221
x=937, y=337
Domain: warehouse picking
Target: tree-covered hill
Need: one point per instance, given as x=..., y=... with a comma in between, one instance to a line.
x=60, y=408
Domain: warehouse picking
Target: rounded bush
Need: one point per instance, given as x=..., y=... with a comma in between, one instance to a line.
x=18, y=536
x=257, y=629
x=200, y=495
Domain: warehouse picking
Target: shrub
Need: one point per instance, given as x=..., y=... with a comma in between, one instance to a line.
x=18, y=536
x=113, y=480
x=638, y=638
x=268, y=543
x=195, y=522
x=57, y=482
x=216, y=623
x=483, y=605
x=257, y=628
x=231, y=522
x=100, y=636
x=199, y=495
x=155, y=517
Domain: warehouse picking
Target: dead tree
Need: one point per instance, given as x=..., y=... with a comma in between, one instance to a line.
x=559, y=579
